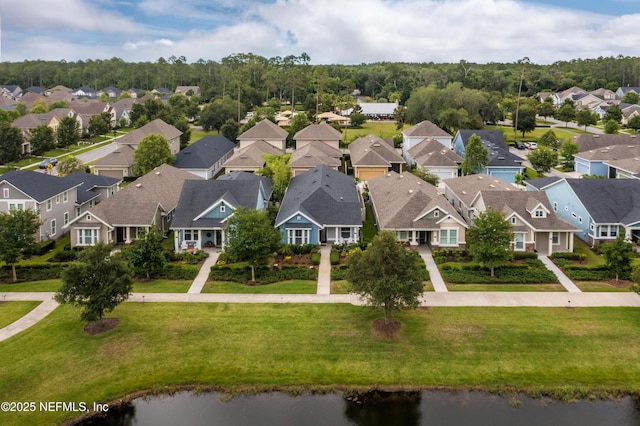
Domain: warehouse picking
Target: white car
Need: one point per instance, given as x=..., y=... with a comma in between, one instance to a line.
x=531, y=145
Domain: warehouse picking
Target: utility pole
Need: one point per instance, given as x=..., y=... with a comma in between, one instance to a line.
x=524, y=61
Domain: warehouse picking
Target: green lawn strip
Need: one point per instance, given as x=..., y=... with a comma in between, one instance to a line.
x=45, y=285
x=595, y=286
x=282, y=287
x=340, y=287
x=14, y=310
x=266, y=346
x=369, y=229
x=382, y=129
x=593, y=259
x=59, y=247
x=505, y=287
x=162, y=286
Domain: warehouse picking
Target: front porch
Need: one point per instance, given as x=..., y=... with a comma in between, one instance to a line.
x=198, y=239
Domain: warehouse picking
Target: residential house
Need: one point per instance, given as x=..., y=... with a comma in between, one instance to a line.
x=418, y=133
x=624, y=90
x=91, y=189
x=415, y=211
x=586, y=101
x=266, y=131
x=588, y=142
x=313, y=154
x=502, y=163
x=570, y=93
x=188, y=90
x=111, y=91
x=52, y=197
x=35, y=89
x=596, y=161
x=376, y=110
x=8, y=104
x=119, y=164
x=161, y=92
x=320, y=206
x=10, y=91
x=251, y=157
x=85, y=92
x=206, y=156
x=624, y=168
x=432, y=156
x=29, y=99
x=27, y=123
x=536, y=226
x=606, y=94
x=150, y=201
x=318, y=133
x=60, y=93
x=461, y=191
x=137, y=93
x=600, y=208
x=205, y=206
x=372, y=156
x=120, y=111
x=629, y=112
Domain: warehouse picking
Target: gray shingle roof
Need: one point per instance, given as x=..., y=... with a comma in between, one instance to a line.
x=467, y=187
x=371, y=150
x=204, y=153
x=87, y=182
x=155, y=127
x=432, y=153
x=324, y=195
x=251, y=156
x=36, y=185
x=493, y=141
x=588, y=142
x=614, y=152
x=400, y=201
x=609, y=200
x=425, y=128
x=320, y=131
x=121, y=157
x=313, y=154
x=265, y=129
x=540, y=183
x=198, y=196
x=267, y=184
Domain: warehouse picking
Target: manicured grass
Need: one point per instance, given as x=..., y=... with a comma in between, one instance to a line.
x=45, y=285
x=12, y=311
x=340, y=287
x=283, y=287
x=382, y=129
x=324, y=346
x=593, y=259
x=199, y=134
x=505, y=287
x=595, y=286
x=45, y=257
x=561, y=133
x=162, y=286
x=368, y=227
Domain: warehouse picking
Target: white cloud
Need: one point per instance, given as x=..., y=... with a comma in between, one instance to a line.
x=330, y=31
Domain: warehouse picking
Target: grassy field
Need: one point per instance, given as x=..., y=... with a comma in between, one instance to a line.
x=45, y=285
x=382, y=129
x=283, y=287
x=595, y=286
x=262, y=347
x=12, y=311
x=561, y=133
x=162, y=286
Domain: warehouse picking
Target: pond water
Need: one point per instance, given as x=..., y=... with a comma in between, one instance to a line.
x=431, y=408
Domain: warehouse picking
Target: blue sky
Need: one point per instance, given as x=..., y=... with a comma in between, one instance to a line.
x=329, y=31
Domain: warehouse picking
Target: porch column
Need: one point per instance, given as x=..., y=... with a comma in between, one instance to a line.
x=196, y=233
x=570, y=237
x=176, y=240
x=413, y=241
x=127, y=234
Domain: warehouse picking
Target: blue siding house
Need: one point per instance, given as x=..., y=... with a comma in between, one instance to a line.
x=502, y=163
x=204, y=206
x=321, y=205
x=600, y=208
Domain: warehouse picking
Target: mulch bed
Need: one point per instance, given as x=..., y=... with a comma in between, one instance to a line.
x=386, y=330
x=101, y=326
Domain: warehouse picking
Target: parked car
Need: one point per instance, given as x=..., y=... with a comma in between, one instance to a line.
x=520, y=145
x=45, y=163
x=531, y=145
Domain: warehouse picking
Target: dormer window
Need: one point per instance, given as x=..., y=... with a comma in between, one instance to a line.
x=222, y=209
x=539, y=213
x=513, y=220
x=436, y=213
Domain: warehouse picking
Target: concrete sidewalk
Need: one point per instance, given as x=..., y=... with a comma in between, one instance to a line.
x=434, y=273
x=324, y=271
x=38, y=313
x=564, y=280
x=203, y=275
x=531, y=299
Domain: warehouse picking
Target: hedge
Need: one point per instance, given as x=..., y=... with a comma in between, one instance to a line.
x=585, y=273
x=264, y=275
x=39, y=272
x=569, y=256
x=334, y=257
x=521, y=274
x=172, y=271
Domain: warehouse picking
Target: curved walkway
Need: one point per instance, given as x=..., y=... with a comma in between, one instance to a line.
x=39, y=312
x=205, y=269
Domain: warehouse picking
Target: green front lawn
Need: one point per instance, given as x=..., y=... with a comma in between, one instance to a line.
x=282, y=287
x=267, y=346
x=12, y=311
x=45, y=285
x=161, y=286
x=505, y=287
x=595, y=286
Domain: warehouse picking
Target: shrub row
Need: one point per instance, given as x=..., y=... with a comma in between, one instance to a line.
x=569, y=256
x=585, y=273
x=45, y=271
x=172, y=271
x=346, y=247
x=448, y=255
x=289, y=249
x=502, y=276
x=523, y=255
x=315, y=258
x=264, y=275
x=334, y=257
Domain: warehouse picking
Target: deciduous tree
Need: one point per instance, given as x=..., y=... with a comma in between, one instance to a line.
x=489, y=239
x=145, y=254
x=426, y=176
x=618, y=256
x=567, y=152
x=566, y=113
x=585, y=118
x=614, y=113
x=100, y=124
x=278, y=170
x=98, y=282
x=251, y=237
x=543, y=159
x=18, y=229
x=611, y=127
x=153, y=151
x=549, y=139
x=476, y=156
x=10, y=143
x=526, y=119
x=42, y=139
x=634, y=123
x=68, y=132
x=386, y=274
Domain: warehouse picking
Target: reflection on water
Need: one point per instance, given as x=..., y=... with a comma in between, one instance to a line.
x=432, y=408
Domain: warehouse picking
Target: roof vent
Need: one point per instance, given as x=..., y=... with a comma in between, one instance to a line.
x=138, y=185
x=501, y=158
x=411, y=191
x=464, y=192
x=401, y=176
x=596, y=136
x=491, y=185
x=632, y=136
x=158, y=173
x=376, y=144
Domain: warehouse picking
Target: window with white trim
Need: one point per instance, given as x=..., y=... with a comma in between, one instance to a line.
x=16, y=206
x=53, y=227
x=555, y=238
x=448, y=237
x=222, y=208
x=65, y=196
x=58, y=199
x=66, y=218
x=539, y=213
x=87, y=236
x=78, y=211
x=555, y=206
x=345, y=233
x=518, y=241
x=298, y=236
x=436, y=213
x=403, y=235
x=5, y=192
x=49, y=204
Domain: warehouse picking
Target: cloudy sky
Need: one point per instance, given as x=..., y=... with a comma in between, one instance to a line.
x=329, y=31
